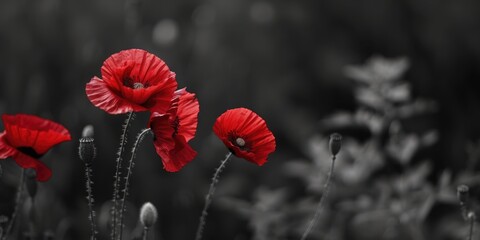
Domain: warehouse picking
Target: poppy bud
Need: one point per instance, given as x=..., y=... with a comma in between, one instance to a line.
x=462, y=193
x=87, y=150
x=31, y=182
x=88, y=131
x=335, y=143
x=148, y=215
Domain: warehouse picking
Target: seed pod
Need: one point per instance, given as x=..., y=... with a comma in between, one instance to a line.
x=463, y=194
x=148, y=215
x=31, y=182
x=87, y=150
x=335, y=143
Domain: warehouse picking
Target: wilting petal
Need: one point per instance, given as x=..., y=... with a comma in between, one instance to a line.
x=187, y=113
x=25, y=161
x=162, y=131
x=177, y=158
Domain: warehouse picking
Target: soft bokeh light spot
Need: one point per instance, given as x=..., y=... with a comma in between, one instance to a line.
x=262, y=12
x=165, y=32
x=204, y=15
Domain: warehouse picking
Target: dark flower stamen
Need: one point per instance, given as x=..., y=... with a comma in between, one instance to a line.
x=175, y=125
x=129, y=82
x=30, y=152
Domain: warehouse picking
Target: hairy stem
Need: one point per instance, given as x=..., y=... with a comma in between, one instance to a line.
x=140, y=137
x=18, y=202
x=116, y=186
x=326, y=189
x=89, y=183
x=209, y=197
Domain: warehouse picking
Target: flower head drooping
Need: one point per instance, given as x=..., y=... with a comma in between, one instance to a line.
x=132, y=80
x=245, y=134
x=26, y=138
x=175, y=129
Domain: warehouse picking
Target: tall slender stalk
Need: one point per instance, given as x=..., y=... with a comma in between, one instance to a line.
x=116, y=186
x=140, y=137
x=209, y=197
x=18, y=202
x=471, y=218
x=87, y=153
x=326, y=189
x=89, y=183
x=145, y=233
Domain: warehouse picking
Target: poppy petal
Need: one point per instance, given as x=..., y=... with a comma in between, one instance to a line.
x=24, y=130
x=103, y=97
x=5, y=149
x=163, y=132
x=161, y=97
x=132, y=80
x=177, y=158
x=137, y=64
x=23, y=160
x=187, y=113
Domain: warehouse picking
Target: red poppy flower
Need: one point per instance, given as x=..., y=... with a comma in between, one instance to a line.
x=245, y=134
x=26, y=138
x=132, y=80
x=175, y=129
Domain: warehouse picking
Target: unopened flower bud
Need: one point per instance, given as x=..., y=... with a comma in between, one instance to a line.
x=148, y=215
x=88, y=131
x=87, y=150
x=31, y=182
x=335, y=143
x=462, y=193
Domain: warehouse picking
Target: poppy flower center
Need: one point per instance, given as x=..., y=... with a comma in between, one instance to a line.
x=240, y=142
x=129, y=82
x=138, y=85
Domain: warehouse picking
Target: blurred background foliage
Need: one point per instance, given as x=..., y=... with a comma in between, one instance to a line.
x=398, y=79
